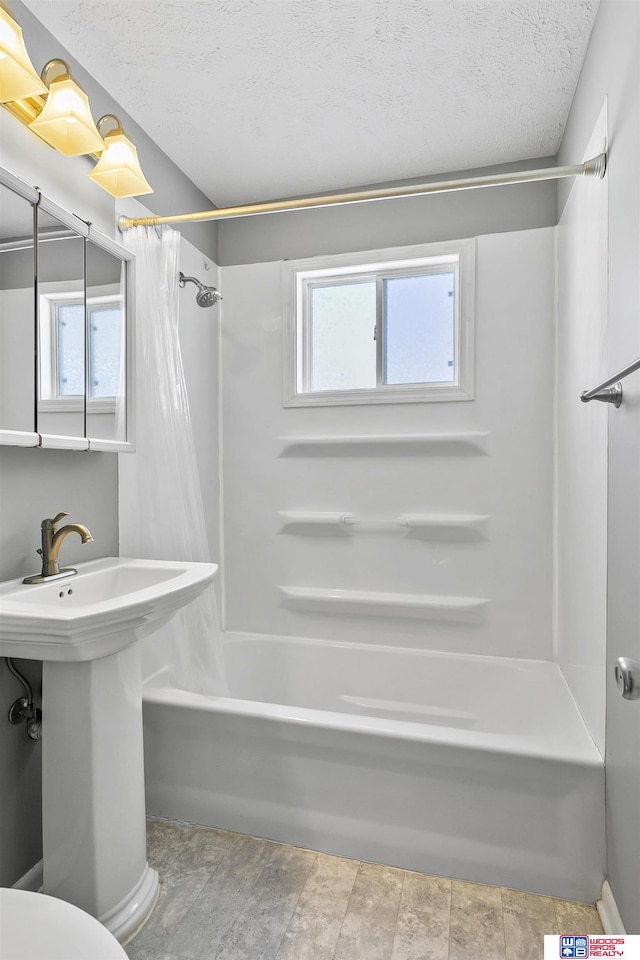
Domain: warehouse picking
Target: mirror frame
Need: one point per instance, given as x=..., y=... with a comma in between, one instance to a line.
x=90, y=235
x=50, y=441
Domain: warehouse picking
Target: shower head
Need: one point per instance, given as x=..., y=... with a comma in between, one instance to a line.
x=206, y=296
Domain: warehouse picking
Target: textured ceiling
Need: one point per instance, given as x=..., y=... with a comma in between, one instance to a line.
x=256, y=99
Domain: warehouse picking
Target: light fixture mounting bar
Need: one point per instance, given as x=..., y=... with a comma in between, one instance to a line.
x=595, y=168
x=25, y=110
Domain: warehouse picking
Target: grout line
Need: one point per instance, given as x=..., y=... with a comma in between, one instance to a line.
x=449, y=923
x=349, y=899
x=504, y=929
x=395, y=928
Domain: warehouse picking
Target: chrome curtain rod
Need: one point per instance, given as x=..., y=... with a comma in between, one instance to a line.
x=591, y=168
x=610, y=390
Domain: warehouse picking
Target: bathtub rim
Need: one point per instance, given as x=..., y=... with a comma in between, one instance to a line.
x=390, y=729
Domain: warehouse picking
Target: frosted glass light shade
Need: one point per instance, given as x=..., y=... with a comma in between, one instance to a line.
x=18, y=79
x=66, y=122
x=118, y=170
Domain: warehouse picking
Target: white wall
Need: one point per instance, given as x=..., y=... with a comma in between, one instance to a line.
x=513, y=484
x=581, y=444
x=612, y=69
x=199, y=339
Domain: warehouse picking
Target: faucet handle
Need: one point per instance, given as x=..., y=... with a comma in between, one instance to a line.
x=55, y=519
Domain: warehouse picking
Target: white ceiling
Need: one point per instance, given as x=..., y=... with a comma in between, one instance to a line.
x=256, y=99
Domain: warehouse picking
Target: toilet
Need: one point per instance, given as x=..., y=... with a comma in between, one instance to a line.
x=38, y=927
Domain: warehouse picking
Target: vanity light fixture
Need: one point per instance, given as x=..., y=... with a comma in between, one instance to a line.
x=65, y=121
x=57, y=110
x=118, y=170
x=18, y=78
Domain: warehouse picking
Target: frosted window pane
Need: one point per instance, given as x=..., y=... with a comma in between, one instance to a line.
x=419, y=321
x=343, y=351
x=70, y=338
x=104, y=352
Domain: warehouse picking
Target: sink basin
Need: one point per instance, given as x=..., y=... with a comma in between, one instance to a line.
x=106, y=606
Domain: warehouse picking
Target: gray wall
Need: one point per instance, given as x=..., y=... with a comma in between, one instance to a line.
x=612, y=69
x=38, y=483
x=369, y=226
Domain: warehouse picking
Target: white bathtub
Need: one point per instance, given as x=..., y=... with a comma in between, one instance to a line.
x=476, y=768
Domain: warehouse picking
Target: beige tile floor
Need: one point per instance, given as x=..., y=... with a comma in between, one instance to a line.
x=226, y=896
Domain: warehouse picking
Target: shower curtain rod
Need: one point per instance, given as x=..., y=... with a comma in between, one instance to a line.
x=591, y=168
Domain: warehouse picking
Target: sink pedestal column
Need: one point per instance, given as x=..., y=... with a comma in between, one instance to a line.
x=94, y=842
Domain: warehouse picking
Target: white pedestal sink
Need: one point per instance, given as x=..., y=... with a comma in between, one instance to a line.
x=86, y=628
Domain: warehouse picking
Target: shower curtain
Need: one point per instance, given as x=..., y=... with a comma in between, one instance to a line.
x=160, y=501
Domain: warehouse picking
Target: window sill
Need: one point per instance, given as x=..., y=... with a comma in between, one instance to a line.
x=422, y=393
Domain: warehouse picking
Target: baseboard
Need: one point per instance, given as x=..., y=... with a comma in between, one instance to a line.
x=609, y=914
x=32, y=879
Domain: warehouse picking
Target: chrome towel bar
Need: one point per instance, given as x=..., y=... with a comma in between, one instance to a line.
x=610, y=390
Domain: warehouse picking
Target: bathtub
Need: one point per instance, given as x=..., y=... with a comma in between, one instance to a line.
x=475, y=768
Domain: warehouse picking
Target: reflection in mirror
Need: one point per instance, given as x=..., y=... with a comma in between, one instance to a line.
x=17, y=313
x=105, y=276
x=61, y=329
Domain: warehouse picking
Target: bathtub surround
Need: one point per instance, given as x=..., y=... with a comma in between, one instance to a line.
x=491, y=457
x=231, y=896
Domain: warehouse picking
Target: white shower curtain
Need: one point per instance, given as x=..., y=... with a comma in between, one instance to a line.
x=161, y=509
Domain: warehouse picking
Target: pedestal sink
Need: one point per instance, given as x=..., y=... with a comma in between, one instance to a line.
x=86, y=628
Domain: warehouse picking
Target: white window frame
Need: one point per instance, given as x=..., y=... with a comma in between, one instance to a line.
x=300, y=277
x=49, y=399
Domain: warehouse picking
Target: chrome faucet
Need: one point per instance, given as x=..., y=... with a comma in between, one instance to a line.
x=51, y=541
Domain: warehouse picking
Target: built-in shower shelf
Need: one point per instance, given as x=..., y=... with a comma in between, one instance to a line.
x=421, y=526
x=416, y=606
x=394, y=445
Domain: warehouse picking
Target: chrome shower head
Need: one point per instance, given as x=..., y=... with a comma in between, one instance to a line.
x=206, y=296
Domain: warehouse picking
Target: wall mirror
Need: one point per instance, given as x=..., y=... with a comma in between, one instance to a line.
x=61, y=329
x=17, y=317
x=66, y=327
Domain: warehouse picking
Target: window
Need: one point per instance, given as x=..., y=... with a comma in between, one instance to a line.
x=387, y=326
x=62, y=339
x=104, y=320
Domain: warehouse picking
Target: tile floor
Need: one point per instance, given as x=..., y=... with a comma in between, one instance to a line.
x=225, y=896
